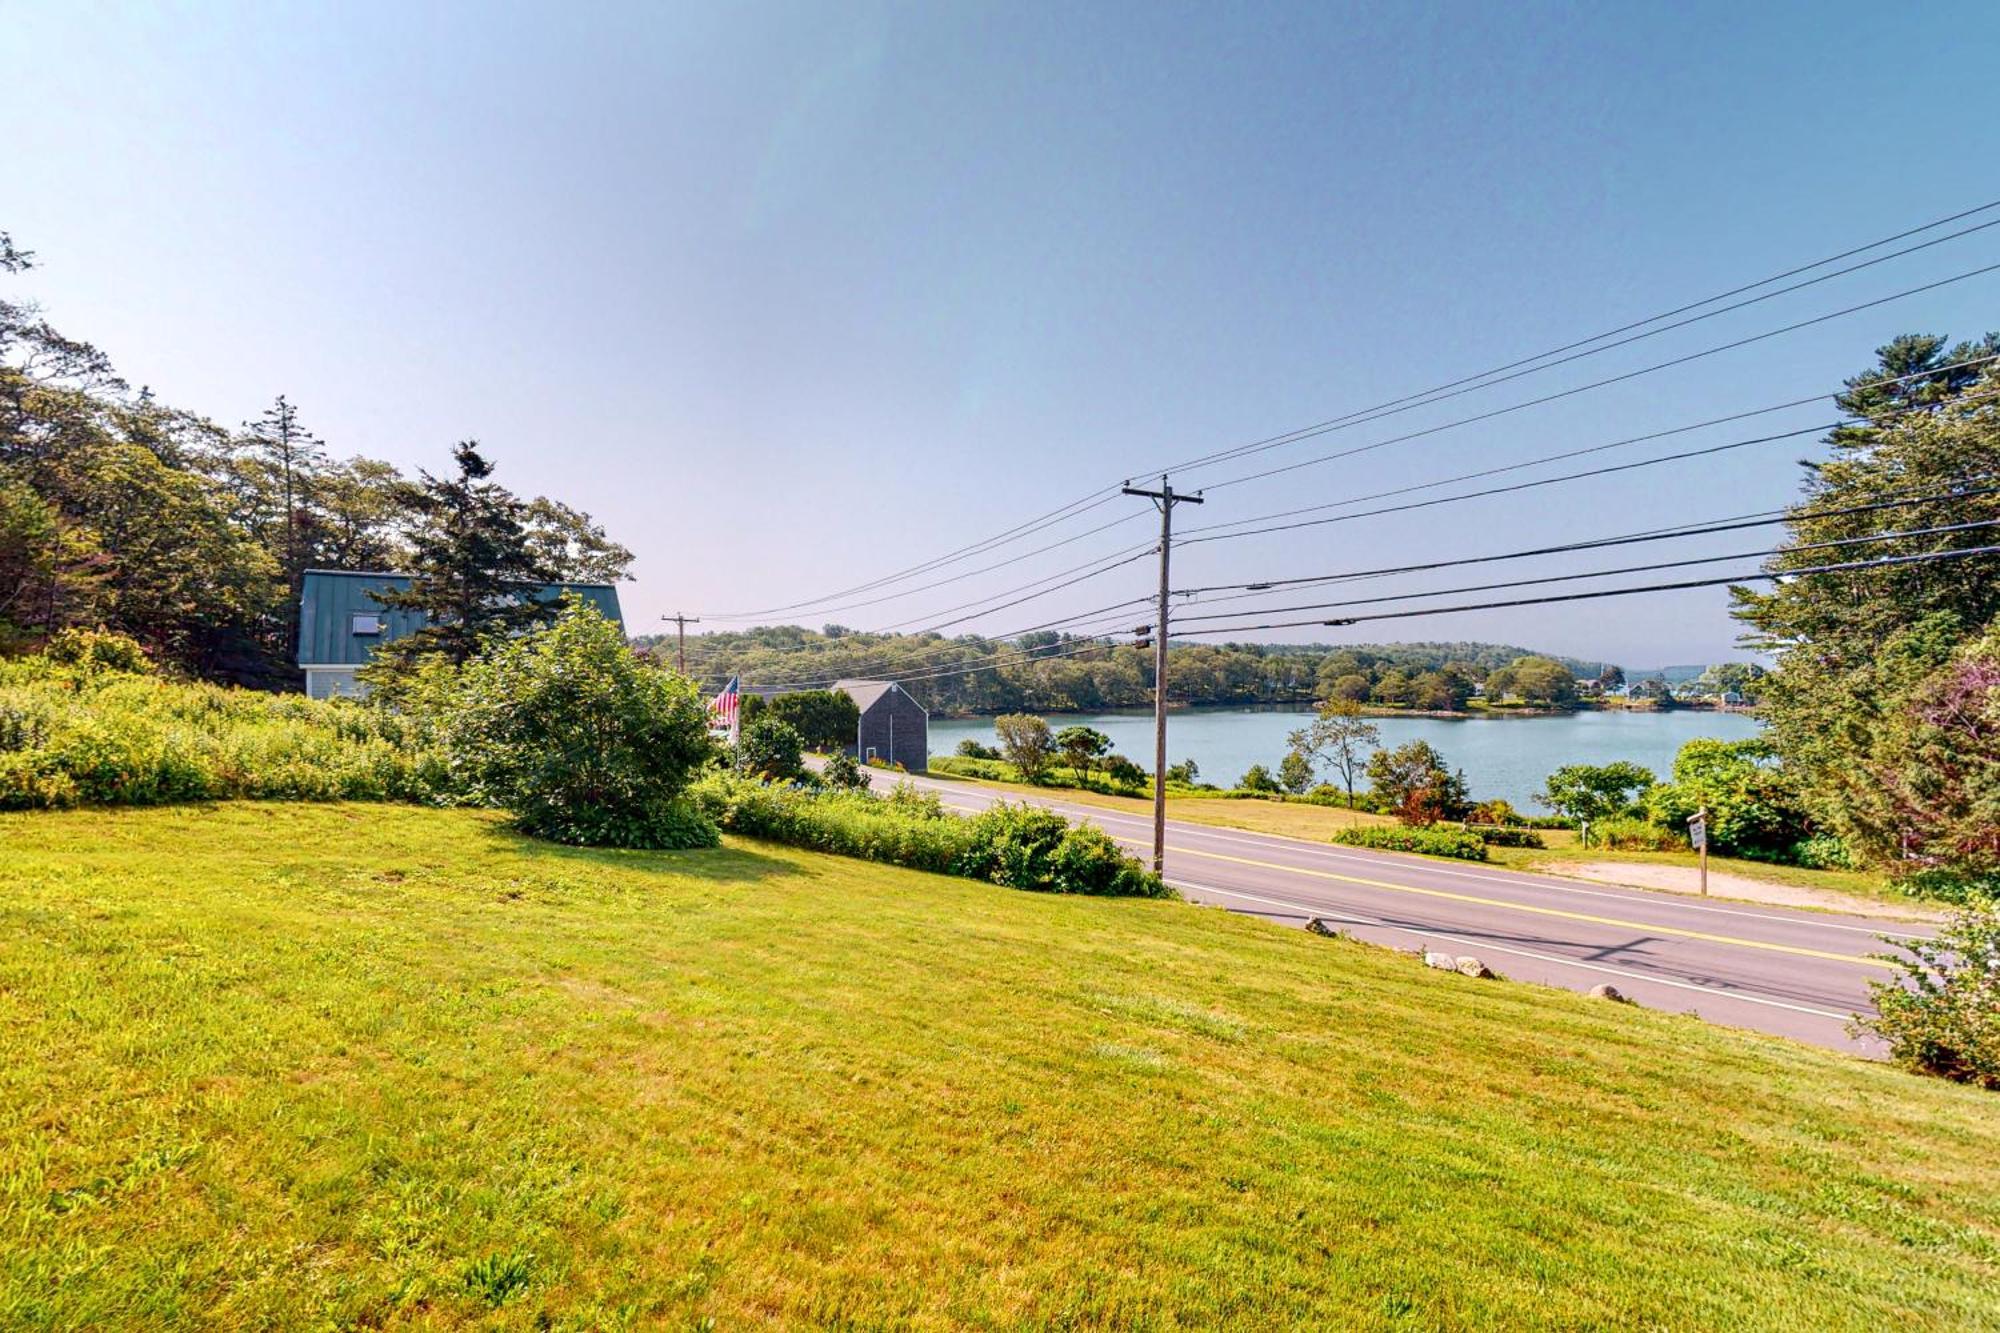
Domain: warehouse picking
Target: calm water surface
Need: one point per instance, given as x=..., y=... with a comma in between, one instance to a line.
x=1504, y=757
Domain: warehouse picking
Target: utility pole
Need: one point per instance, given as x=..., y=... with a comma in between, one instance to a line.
x=1164, y=500
x=681, y=624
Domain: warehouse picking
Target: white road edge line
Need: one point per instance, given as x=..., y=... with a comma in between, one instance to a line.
x=1640, y=977
x=1632, y=893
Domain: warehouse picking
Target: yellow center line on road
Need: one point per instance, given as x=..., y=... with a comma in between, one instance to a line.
x=1449, y=896
x=1446, y=894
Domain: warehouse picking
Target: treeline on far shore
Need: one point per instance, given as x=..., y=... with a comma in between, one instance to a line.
x=1052, y=672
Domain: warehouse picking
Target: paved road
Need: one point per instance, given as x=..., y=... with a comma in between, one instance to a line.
x=1796, y=974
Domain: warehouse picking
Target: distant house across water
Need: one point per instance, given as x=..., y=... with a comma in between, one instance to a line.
x=341, y=624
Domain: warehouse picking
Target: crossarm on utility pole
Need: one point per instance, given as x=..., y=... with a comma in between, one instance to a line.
x=1164, y=499
x=681, y=624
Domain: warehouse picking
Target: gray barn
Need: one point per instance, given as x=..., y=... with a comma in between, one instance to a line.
x=894, y=729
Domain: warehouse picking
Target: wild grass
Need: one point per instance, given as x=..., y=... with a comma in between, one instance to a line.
x=305, y=1066
x=83, y=737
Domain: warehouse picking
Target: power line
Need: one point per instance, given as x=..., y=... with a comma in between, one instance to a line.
x=958, y=578
x=1017, y=657
x=1598, y=384
x=1094, y=616
x=1428, y=398
x=1100, y=497
x=1757, y=576
x=1611, y=333
x=1602, y=448
x=1082, y=505
x=1763, y=518
x=1605, y=573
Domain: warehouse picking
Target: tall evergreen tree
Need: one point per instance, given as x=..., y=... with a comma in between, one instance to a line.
x=474, y=572
x=293, y=457
x=1856, y=649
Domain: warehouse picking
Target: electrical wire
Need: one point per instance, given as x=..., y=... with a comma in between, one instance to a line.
x=1757, y=576
x=1599, y=573
x=1193, y=535
x=1657, y=366
x=1095, y=499
x=1288, y=436
x=1763, y=518
x=1357, y=419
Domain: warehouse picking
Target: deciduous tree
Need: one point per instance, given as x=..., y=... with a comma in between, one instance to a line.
x=1340, y=736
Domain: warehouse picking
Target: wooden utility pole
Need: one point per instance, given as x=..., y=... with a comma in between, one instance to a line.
x=1164, y=500
x=681, y=624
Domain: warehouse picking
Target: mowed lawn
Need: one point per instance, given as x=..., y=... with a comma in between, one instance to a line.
x=269, y=1066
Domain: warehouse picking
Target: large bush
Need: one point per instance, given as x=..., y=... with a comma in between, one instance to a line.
x=1942, y=1014
x=582, y=740
x=1027, y=847
x=1754, y=808
x=84, y=730
x=1414, y=781
x=824, y=719
x=1428, y=840
x=772, y=747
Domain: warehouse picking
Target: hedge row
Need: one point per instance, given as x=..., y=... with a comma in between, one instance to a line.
x=1018, y=846
x=1431, y=841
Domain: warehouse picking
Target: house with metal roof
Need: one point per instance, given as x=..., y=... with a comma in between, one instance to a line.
x=341, y=624
x=894, y=728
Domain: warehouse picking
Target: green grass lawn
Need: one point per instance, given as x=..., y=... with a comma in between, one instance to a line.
x=378, y=1066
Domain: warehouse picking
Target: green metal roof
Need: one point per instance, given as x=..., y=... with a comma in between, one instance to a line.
x=333, y=597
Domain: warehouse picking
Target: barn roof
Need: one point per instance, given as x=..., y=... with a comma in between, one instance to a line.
x=867, y=693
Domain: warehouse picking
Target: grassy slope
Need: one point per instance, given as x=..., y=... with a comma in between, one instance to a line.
x=288, y=1065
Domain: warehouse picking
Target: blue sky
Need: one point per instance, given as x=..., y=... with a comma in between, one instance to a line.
x=792, y=296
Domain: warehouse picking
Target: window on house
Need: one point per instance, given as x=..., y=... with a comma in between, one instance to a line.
x=366, y=622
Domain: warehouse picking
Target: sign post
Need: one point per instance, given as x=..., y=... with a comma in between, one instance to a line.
x=1698, y=838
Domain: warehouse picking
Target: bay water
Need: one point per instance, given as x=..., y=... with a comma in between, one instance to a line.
x=1503, y=756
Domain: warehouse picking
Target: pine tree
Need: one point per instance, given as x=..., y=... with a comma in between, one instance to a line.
x=473, y=571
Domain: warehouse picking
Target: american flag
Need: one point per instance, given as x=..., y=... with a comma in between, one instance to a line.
x=722, y=709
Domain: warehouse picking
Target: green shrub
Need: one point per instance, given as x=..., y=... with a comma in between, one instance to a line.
x=98, y=650
x=1258, y=779
x=1505, y=835
x=1942, y=1015
x=582, y=740
x=843, y=823
x=972, y=749
x=1822, y=851
x=1427, y=839
x=993, y=770
x=843, y=774
x=823, y=719
x=1124, y=774
x=1027, y=847
x=773, y=747
x=1939, y=885
x=1636, y=835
